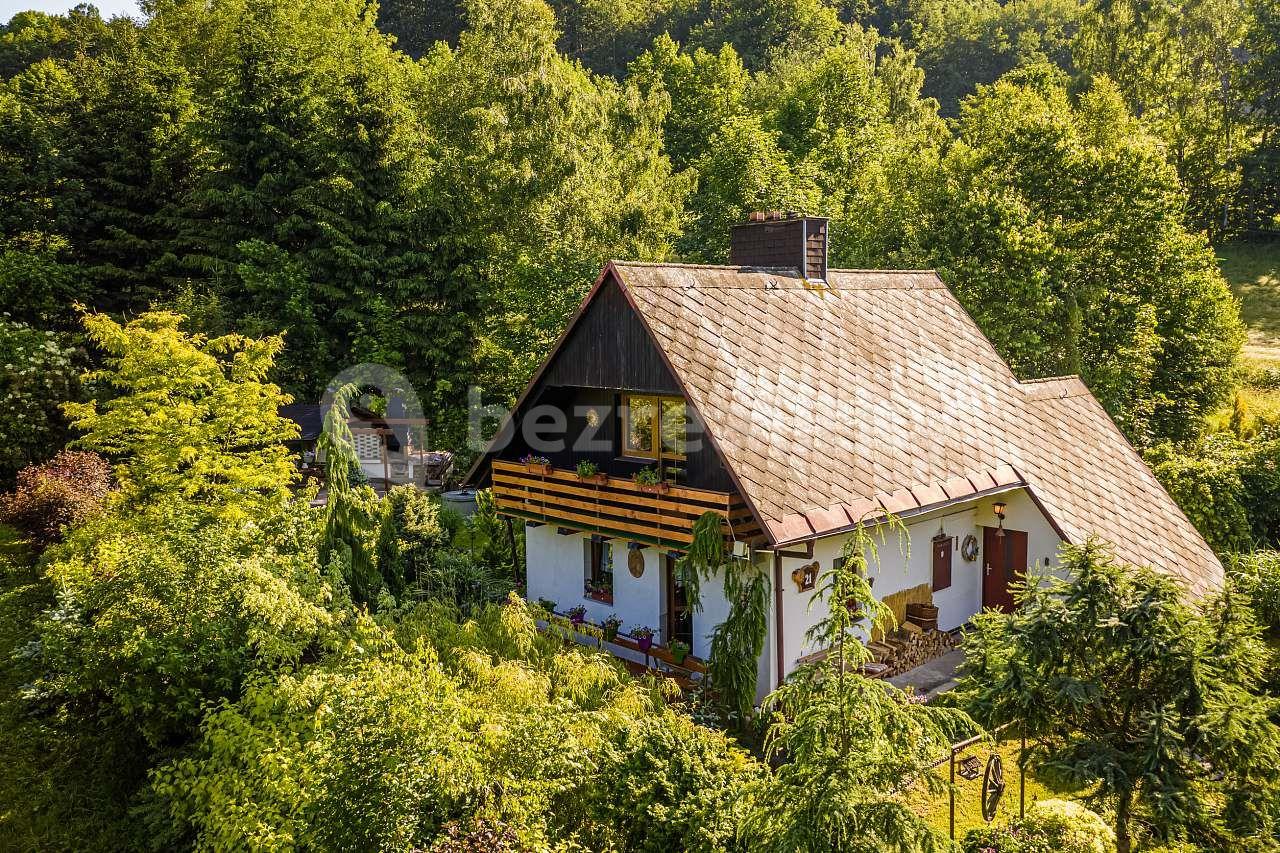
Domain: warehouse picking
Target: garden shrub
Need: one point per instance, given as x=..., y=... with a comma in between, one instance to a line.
x=162, y=613
x=1207, y=485
x=379, y=746
x=408, y=536
x=481, y=835
x=66, y=490
x=1258, y=575
x=669, y=784
x=1228, y=487
x=1050, y=826
x=38, y=372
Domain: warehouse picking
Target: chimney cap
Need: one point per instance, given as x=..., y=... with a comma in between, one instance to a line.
x=779, y=216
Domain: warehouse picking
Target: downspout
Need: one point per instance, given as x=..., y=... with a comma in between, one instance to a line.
x=777, y=615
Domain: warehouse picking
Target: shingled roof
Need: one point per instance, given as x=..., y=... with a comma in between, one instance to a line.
x=876, y=389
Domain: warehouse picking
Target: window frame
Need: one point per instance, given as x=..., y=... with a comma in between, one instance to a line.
x=656, y=450
x=594, y=573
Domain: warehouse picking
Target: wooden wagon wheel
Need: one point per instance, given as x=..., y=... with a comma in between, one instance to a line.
x=992, y=787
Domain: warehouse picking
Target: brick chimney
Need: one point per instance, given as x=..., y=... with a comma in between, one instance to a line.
x=781, y=241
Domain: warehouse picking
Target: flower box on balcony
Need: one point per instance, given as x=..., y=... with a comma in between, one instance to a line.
x=537, y=468
x=654, y=488
x=597, y=479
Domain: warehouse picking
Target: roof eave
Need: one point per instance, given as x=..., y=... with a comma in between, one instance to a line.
x=880, y=518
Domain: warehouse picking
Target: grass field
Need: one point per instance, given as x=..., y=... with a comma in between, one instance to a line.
x=936, y=810
x=1253, y=271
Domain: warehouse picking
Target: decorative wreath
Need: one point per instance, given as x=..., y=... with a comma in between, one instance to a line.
x=969, y=548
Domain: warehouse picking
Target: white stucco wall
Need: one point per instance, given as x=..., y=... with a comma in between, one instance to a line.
x=556, y=563
x=895, y=571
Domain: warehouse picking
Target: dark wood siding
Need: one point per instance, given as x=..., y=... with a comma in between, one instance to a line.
x=607, y=354
x=610, y=348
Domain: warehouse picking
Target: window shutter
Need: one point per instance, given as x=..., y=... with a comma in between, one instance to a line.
x=941, y=562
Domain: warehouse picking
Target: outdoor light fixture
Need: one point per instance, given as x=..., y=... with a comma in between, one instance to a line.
x=998, y=507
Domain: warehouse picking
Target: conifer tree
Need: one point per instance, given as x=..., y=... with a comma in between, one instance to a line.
x=1122, y=685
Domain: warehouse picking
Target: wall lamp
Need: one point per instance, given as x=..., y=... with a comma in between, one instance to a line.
x=998, y=508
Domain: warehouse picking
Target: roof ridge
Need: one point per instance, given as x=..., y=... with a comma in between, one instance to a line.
x=1053, y=388
x=1049, y=379
x=893, y=270
x=686, y=266
x=757, y=268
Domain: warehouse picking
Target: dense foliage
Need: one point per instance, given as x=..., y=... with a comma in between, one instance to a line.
x=1123, y=686
x=1050, y=826
x=38, y=373
x=57, y=494
x=269, y=168
x=847, y=745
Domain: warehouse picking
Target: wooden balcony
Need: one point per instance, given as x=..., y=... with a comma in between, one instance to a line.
x=614, y=506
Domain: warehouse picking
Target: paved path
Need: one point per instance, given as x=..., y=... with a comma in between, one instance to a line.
x=930, y=679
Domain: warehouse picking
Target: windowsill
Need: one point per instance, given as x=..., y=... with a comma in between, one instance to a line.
x=601, y=597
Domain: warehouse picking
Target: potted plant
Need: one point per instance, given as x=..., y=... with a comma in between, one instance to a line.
x=547, y=605
x=679, y=651
x=577, y=615
x=602, y=592
x=644, y=637
x=611, y=626
x=536, y=464
x=589, y=472
x=649, y=480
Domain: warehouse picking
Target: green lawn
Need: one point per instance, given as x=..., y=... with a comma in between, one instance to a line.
x=1253, y=271
x=936, y=810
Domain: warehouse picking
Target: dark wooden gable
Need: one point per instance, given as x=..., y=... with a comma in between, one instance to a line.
x=608, y=350
x=609, y=347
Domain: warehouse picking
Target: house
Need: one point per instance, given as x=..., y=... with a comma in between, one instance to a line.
x=384, y=445
x=798, y=402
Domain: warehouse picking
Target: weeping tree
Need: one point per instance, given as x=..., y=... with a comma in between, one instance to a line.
x=846, y=746
x=352, y=513
x=736, y=643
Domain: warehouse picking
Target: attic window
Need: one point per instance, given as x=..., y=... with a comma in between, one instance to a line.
x=654, y=427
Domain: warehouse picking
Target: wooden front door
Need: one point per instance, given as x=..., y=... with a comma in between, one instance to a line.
x=1004, y=560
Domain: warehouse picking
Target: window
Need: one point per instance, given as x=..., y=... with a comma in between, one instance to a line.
x=941, y=562
x=654, y=427
x=598, y=571
x=368, y=446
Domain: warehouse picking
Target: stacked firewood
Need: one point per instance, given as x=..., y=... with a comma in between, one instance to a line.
x=909, y=647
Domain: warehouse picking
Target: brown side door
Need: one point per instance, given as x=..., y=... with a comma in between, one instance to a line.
x=1004, y=560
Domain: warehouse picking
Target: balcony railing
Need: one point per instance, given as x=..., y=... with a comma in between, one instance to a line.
x=614, y=506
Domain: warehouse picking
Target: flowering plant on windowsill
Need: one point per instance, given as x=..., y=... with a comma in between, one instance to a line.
x=679, y=651
x=577, y=615
x=611, y=626
x=601, y=593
